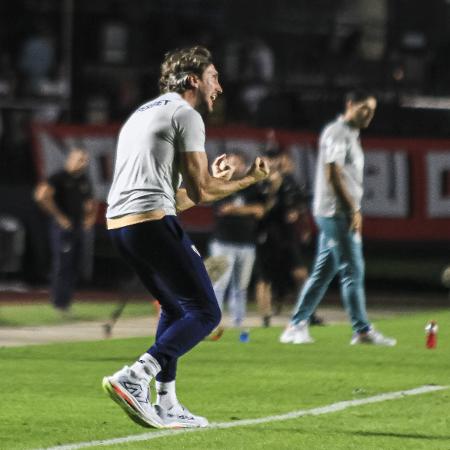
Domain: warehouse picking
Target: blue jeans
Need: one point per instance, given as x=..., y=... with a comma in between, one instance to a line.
x=169, y=266
x=339, y=252
x=241, y=258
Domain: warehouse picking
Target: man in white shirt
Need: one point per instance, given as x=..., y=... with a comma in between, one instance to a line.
x=337, y=212
x=160, y=144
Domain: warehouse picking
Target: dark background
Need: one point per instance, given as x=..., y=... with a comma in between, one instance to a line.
x=283, y=64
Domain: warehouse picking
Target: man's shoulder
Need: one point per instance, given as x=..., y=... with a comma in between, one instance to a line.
x=335, y=130
x=184, y=111
x=335, y=126
x=164, y=105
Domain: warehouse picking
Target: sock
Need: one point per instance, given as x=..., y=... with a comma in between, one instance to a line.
x=146, y=367
x=166, y=395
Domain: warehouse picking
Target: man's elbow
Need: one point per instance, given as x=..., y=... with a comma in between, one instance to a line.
x=204, y=197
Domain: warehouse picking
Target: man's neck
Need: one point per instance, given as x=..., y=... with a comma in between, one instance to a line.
x=191, y=97
x=348, y=120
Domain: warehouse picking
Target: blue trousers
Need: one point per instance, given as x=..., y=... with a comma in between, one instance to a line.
x=339, y=252
x=241, y=258
x=169, y=266
x=66, y=253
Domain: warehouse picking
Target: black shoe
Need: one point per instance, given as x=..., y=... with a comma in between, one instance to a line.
x=266, y=321
x=316, y=320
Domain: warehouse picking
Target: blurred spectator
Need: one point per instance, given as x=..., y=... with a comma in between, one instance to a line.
x=38, y=58
x=260, y=61
x=258, y=72
x=67, y=197
x=114, y=37
x=234, y=237
x=281, y=267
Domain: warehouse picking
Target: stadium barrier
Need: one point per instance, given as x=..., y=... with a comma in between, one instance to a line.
x=407, y=181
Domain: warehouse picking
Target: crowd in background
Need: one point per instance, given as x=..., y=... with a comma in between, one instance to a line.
x=285, y=69
x=289, y=71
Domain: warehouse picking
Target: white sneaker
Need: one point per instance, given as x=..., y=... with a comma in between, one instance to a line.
x=297, y=334
x=133, y=396
x=372, y=337
x=180, y=417
x=287, y=337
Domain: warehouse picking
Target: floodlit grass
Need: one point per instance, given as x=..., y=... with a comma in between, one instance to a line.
x=51, y=394
x=43, y=314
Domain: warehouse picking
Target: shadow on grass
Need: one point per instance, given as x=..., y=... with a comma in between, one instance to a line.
x=398, y=435
x=300, y=430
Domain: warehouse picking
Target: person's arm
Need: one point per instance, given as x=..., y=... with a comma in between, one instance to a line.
x=252, y=209
x=201, y=187
x=334, y=176
x=44, y=195
x=90, y=213
x=183, y=202
x=219, y=169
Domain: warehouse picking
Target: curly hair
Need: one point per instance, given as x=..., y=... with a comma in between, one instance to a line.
x=179, y=64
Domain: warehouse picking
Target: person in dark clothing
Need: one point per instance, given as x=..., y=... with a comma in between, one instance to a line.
x=67, y=197
x=282, y=232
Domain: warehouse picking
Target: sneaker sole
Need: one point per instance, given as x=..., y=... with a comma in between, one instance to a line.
x=123, y=400
x=184, y=425
x=286, y=340
x=373, y=343
x=292, y=341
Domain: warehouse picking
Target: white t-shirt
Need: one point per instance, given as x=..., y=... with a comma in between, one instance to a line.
x=339, y=143
x=147, y=167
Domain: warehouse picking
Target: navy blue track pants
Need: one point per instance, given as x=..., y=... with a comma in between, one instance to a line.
x=66, y=257
x=169, y=266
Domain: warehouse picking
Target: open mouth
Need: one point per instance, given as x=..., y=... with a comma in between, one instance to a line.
x=213, y=97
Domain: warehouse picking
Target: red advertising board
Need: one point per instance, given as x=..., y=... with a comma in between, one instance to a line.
x=407, y=181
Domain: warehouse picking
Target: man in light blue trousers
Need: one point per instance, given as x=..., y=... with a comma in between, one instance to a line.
x=337, y=212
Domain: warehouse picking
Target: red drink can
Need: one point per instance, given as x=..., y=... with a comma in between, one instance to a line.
x=431, y=332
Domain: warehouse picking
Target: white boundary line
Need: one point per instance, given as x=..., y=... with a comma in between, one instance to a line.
x=339, y=406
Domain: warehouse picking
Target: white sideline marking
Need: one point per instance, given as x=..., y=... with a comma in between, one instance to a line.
x=339, y=406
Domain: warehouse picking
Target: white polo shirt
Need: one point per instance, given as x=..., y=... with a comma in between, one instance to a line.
x=339, y=143
x=147, y=167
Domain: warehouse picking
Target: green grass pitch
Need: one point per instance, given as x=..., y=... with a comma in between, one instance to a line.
x=52, y=394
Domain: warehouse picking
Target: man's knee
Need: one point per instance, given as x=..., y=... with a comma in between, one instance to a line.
x=352, y=274
x=213, y=317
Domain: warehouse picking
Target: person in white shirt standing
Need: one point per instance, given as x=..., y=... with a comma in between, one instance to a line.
x=160, y=144
x=337, y=212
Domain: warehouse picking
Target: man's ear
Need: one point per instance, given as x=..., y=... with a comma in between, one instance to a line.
x=192, y=81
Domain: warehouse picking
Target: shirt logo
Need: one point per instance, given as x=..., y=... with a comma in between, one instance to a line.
x=153, y=104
